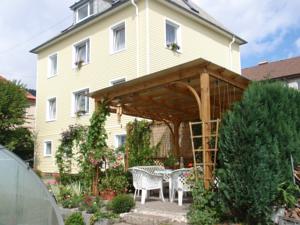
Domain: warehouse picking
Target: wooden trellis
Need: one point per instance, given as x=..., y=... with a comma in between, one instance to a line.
x=200, y=143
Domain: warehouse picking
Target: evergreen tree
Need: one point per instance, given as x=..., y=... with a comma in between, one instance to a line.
x=257, y=139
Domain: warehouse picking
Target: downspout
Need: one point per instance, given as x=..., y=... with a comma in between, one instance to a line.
x=147, y=39
x=230, y=52
x=137, y=38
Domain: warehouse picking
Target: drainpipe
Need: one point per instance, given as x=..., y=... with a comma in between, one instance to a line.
x=137, y=38
x=230, y=52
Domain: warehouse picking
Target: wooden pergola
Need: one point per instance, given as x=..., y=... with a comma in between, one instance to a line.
x=194, y=91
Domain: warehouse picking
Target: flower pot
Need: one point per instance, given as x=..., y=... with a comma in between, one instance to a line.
x=108, y=194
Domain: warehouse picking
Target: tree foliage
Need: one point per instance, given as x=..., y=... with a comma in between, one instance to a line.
x=257, y=139
x=138, y=143
x=13, y=104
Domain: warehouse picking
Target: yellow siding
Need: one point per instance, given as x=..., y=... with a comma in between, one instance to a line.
x=197, y=41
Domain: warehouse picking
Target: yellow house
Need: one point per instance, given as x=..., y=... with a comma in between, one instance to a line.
x=113, y=41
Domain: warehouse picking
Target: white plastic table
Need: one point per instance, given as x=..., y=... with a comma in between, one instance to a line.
x=167, y=172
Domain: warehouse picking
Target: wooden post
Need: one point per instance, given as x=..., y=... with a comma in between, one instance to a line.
x=126, y=157
x=205, y=112
x=176, y=139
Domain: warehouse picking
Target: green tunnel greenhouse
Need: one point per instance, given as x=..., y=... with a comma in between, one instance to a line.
x=24, y=199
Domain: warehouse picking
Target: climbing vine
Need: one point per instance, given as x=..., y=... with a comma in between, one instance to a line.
x=66, y=154
x=95, y=150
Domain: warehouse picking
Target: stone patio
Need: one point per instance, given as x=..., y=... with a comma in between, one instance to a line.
x=156, y=212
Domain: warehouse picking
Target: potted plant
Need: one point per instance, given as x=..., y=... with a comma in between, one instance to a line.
x=173, y=46
x=79, y=64
x=170, y=162
x=114, y=182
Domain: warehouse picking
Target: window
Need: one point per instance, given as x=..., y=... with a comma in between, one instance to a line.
x=82, y=53
x=294, y=85
x=47, y=148
x=172, y=35
x=81, y=102
x=118, y=37
x=82, y=12
x=120, y=140
x=118, y=81
x=51, y=109
x=52, y=65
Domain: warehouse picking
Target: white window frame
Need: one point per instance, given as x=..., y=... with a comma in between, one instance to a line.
x=178, y=33
x=89, y=13
x=73, y=112
x=111, y=37
x=112, y=82
x=116, y=139
x=45, y=148
x=50, y=65
x=87, y=55
x=48, y=119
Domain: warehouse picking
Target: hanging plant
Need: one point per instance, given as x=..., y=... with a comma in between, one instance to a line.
x=174, y=47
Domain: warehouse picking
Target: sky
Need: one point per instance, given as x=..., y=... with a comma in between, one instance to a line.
x=271, y=28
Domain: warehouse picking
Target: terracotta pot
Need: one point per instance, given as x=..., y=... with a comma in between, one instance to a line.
x=108, y=194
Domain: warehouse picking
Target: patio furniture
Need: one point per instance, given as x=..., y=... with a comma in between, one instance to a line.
x=180, y=183
x=145, y=181
x=167, y=178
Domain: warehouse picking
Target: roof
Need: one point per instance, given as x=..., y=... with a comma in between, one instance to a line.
x=29, y=96
x=164, y=95
x=274, y=70
x=187, y=5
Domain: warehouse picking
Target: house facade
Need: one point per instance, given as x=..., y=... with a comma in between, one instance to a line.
x=287, y=70
x=112, y=42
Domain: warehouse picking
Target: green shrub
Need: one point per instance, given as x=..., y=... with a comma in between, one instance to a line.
x=91, y=204
x=203, y=211
x=102, y=215
x=122, y=204
x=257, y=139
x=75, y=219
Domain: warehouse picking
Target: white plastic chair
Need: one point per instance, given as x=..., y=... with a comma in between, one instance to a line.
x=146, y=181
x=180, y=183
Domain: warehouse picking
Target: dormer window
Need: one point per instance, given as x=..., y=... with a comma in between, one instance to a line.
x=83, y=12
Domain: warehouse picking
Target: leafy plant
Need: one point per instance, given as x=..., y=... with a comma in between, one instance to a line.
x=91, y=204
x=173, y=46
x=102, y=215
x=203, y=211
x=114, y=180
x=287, y=195
x=138, y=142
x=170, y=161
x=75, y=219
x=65, y=154
x=122, y=204
x=257, y=138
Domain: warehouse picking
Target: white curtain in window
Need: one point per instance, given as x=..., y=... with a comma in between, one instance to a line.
x=119, y=38
x=81, y=102
x=52, y=109
x=171, y=36
x=53, y=64
x=81, y=53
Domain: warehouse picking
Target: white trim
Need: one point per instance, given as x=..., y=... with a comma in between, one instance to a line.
x=89, y=13
x=73, y=114
x=111, y=37
x=148, y=60
x=45, y=144
x=47, y=109
x=179, y=33
x=116, y=79
x=49, y=75
x=74, y=45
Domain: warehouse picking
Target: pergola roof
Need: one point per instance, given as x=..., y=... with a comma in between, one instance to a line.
x=167, y=95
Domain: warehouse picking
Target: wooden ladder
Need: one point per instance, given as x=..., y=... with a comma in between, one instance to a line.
x=197, y=145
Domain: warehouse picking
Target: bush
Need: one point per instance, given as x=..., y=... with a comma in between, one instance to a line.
x=122, y=204
x=101, y=215
x=75, y=219
x=203, y=211
x=257, y=139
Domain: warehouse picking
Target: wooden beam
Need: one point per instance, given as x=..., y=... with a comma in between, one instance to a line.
x=205, y=110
